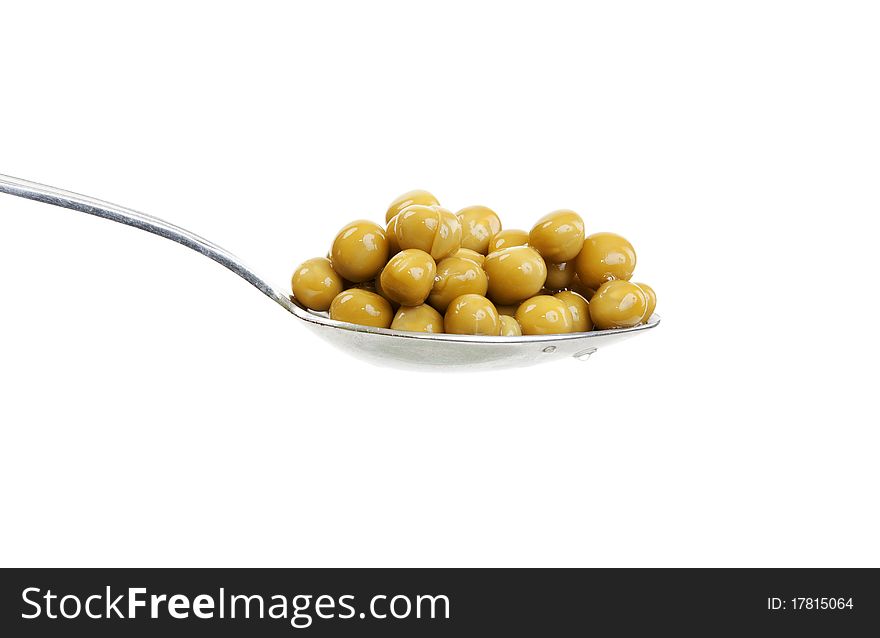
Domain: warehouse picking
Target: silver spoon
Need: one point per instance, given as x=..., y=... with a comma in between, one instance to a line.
x=377, y=345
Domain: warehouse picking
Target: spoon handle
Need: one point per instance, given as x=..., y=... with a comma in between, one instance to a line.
x=129, y=217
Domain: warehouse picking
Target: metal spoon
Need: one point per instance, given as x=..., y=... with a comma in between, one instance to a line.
x=377, y=345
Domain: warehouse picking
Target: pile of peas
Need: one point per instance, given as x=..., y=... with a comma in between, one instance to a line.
x=429, y=270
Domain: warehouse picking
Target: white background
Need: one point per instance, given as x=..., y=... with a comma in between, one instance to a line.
x=156, y=410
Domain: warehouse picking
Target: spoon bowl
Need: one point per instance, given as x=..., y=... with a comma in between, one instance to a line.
x=450, y=352
x=377, y=345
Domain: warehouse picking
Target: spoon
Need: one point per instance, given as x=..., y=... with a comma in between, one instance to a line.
x=377, y=345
